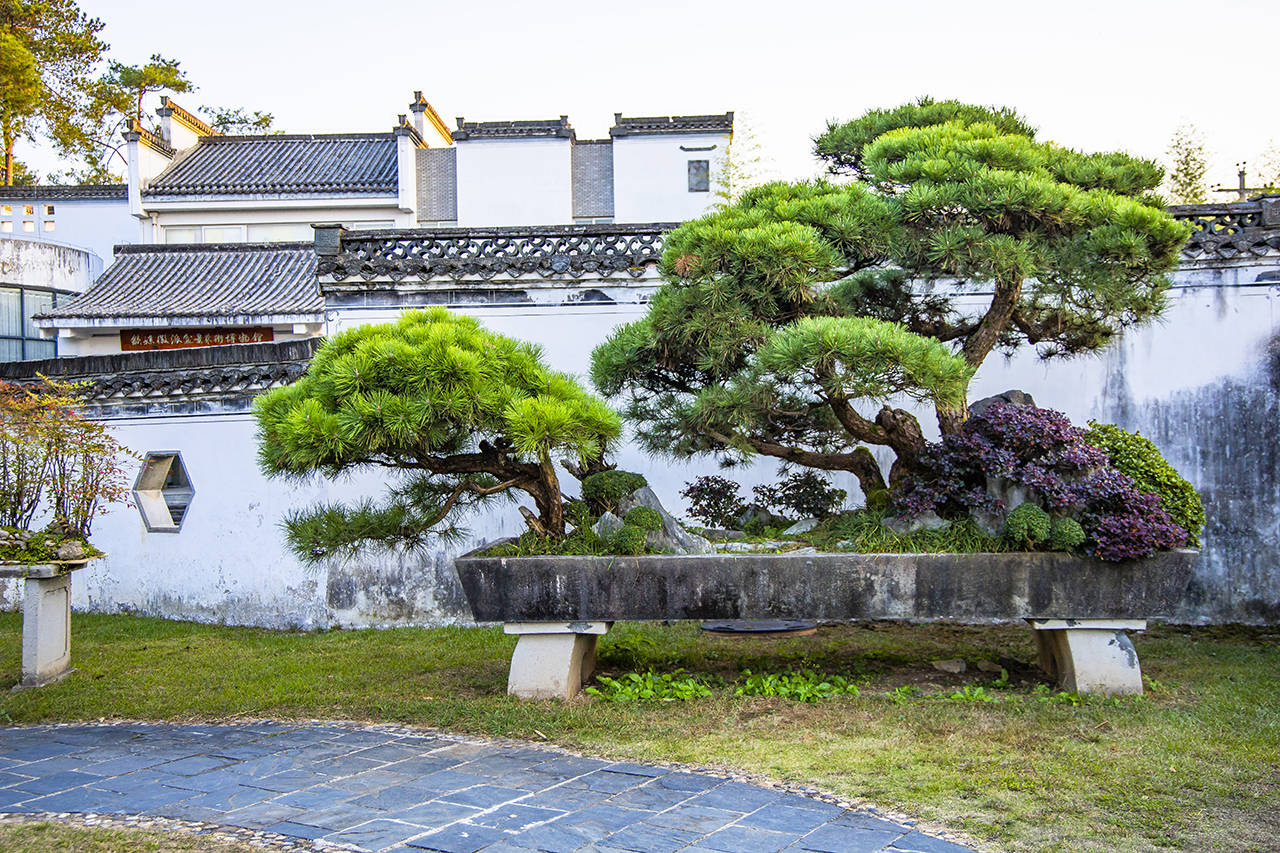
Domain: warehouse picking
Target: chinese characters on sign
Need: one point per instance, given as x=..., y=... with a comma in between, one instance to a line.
x=133, y=340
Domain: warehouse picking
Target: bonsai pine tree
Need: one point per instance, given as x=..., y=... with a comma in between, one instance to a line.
x=455, y=414
x=787, y=318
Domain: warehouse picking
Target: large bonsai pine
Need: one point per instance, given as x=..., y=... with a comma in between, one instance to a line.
x=457, y=414
x=786, y=316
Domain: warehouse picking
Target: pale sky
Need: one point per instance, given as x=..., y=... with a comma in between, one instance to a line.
x=1094, y=75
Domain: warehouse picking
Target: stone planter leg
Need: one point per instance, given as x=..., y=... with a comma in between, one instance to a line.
x=552, y=659
x=46, y=630
x=1090, y=655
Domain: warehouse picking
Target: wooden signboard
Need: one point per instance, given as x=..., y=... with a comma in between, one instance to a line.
x=134, y=340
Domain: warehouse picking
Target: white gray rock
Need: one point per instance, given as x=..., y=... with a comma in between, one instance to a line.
x=608, y=525
x=924, y=521
x=804, y=525
x=672, y=537
x=955, y=667
x=70, y=551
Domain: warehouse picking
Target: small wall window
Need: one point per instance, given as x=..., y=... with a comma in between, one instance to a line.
x=29, y=209
x=48, y=225
x=6, y=227
x=6, y=209
x=29, y=226
x=163, y=491
x=48, y=210
x=699, y=176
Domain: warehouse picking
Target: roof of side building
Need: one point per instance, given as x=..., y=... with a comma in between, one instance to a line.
x=624, y=126
x=315, y=164
x=67, y=192
x=229, y=282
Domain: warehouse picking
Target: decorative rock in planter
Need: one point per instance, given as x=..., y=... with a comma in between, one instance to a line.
x=46, y=619
x=1078, y=604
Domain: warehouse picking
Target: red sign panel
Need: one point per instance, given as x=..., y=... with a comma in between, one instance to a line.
x=133, y=340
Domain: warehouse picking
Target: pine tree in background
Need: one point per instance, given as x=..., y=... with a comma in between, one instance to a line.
x=1188, y=164
x=786, y=315
x=453, y=413
x=48, y=52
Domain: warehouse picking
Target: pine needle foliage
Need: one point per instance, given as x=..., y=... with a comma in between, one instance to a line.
x=458, y=415
x=787, y=317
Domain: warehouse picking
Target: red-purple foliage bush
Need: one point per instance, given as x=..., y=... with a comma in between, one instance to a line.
x=1042, y=451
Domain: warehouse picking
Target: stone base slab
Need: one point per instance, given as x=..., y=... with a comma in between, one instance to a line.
x=552, y=660
x=1090, y=655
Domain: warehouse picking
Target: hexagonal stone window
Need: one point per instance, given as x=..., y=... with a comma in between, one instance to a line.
x=163, y=491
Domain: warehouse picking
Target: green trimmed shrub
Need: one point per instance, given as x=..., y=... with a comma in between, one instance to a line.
x=627, y=542
x=1027, y=525
x=603, y=490
x=1066, y=535
x=1136, y=457
x=646, y=518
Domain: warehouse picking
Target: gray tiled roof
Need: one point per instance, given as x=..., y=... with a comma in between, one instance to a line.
x=67, y=192
x=623, y=126
x=592, y=166
x=551, y=127
x=361, y=163
x=216, y=281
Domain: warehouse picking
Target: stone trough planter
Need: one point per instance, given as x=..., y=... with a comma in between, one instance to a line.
x=1080, y=609
x=46, y=619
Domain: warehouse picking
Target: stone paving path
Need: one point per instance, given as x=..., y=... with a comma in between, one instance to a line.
x=383, y=790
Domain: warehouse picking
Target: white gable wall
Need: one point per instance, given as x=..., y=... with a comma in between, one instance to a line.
x=651, y=175
x=514, y=182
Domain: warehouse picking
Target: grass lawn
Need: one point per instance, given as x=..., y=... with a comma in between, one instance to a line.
x=1195, y=765
x=49, y=837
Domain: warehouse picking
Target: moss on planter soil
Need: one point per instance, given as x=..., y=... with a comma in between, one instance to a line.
x=40, y=547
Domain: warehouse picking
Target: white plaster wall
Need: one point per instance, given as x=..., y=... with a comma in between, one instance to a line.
x=651, y=176
x=364, y=213
x=514, y=182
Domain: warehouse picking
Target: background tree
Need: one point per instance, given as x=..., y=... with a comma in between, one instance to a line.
x=116, y=102
x=1188, y=164
x=1269, y=169
x=48, y=50
x=464, y=414
x=237, y=120
x=784, y=315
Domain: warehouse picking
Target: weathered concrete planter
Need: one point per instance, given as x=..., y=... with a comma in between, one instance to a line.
x=46, y=619
x=1080, y=608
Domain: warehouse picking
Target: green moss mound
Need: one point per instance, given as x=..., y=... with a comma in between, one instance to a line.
x=603, y=490
x=627, y=542
x=1066, y=535
x=1138, y=458
x=645, y=518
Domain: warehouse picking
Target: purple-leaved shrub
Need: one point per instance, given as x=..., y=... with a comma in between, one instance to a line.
x=1042, y=451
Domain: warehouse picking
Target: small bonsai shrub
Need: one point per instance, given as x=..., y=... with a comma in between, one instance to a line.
x=714, y=500
x=603, y=490
x=645, y=518
x=1066, y=535
x=55, y=460
x=1042, y=452
x=805, y=494
x=1139, y=459
x=1028, y=525
x=627, y=542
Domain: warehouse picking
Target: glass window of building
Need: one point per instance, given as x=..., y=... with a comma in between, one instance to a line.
x=20, y=340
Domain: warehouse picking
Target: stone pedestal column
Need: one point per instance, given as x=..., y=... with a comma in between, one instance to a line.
x=46, y=629
x=552, y=659
x=1090, y=655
